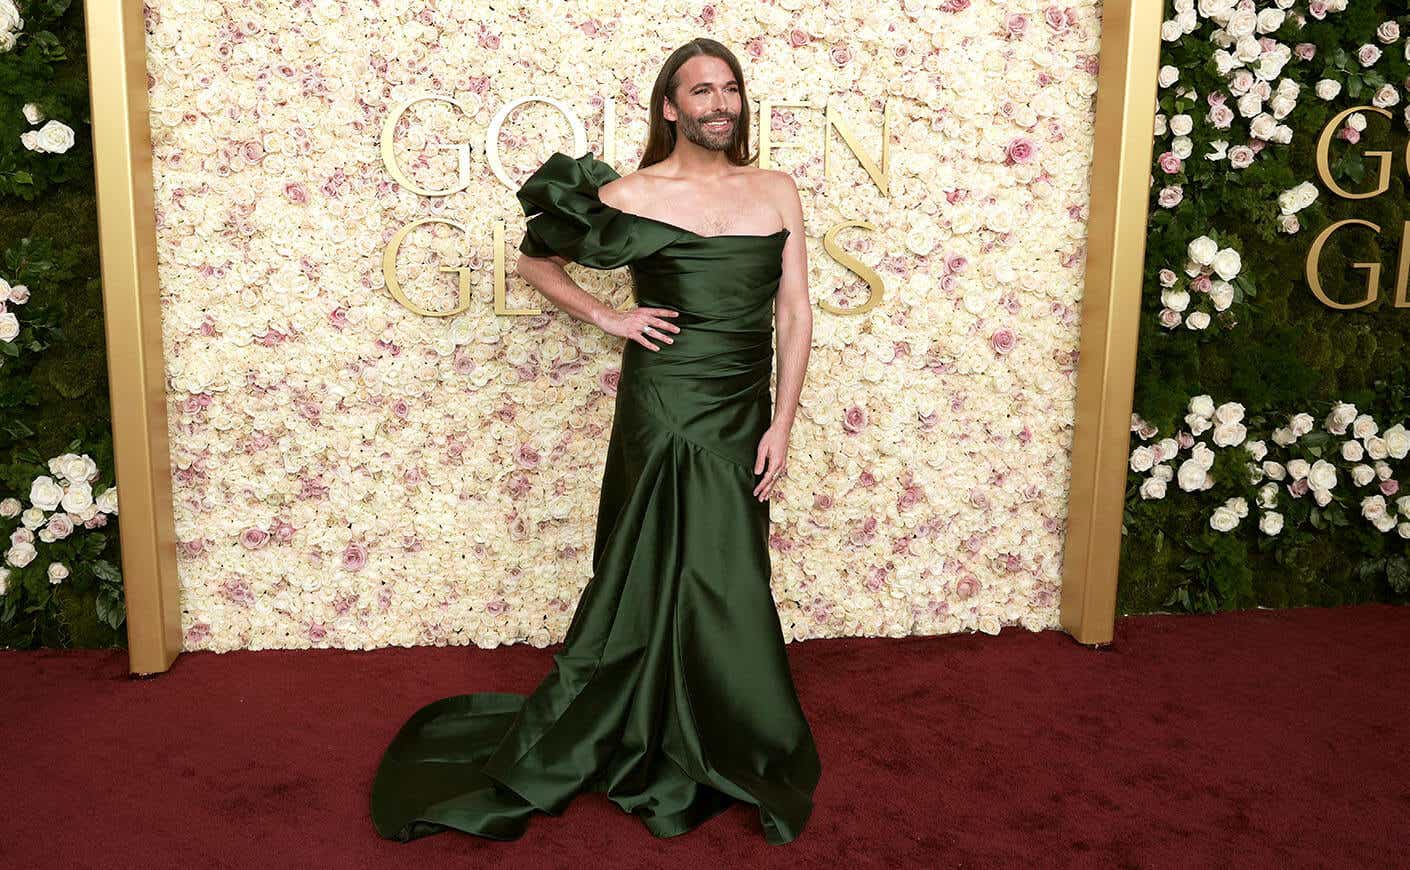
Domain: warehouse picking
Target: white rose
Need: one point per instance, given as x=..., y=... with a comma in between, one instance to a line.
x=1175, y=300
x=1221, y=295
x=1223, y=519
x=1298, y=468
x=1202, y=405
x=1339, y=418
x=107, y=501
x=1229, y=434
x=57, y=571
x=1397, y=440
x=1203, y=249
x=1323, y=497
x=21, y=554
x=1271, y=523
x=1322, y=475
x=9, y=326
x=78, y=497
x=1373, y=506
x=1327, y=89
x=1168, y=75
x=1202, y=454
x=1227, y=264
x=1275, y=470
x=1257, y=449
x=1352, y=451
x=1362, y=474
x=31, y=113
x=1229, y=412
x=1192, y=477
x=1364, y=426
x=1376, y=447
x=10, y=507
x=1197, y=320
x=1182, y=124
x=1152, y=488
x=1142, y=458
x=1301, y=424
x=55, y=137
x=45, y=493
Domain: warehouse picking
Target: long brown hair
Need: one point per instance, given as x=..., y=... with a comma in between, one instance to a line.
x=661, y=134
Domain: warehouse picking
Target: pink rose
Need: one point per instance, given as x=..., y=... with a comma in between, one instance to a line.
x=1019, y=150
x=1002, y=340
x=1305, y=51
x=609, y=380
x=295, y=192
x=967, y=587
x=841, y=54
x=854, y=419
x=1390, y=487
x=798, y=38
x=1169, y=318
x=1169, y=163
x=253, y=538
x=354, y=556
x=1017, y=25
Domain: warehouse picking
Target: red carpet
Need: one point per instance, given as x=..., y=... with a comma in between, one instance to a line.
x=1259, y=738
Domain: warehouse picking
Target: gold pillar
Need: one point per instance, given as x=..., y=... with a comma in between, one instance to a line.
x=1111, y=312
x=122, y=154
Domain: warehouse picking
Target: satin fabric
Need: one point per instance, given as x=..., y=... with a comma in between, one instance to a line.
x=672, y=693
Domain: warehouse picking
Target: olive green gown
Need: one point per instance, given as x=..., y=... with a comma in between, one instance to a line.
x=672, y=693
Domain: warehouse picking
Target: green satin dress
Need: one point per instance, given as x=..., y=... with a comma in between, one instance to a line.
x=672, y=694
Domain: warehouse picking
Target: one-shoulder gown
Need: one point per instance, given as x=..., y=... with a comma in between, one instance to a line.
x=672, y=694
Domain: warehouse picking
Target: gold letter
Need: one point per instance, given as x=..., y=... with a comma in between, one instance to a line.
x=1314, y=258
x=389, y=271
x=874, y=280
x=462, y=151
x=1324, y=170
x=767, y=145
x=501, y=303
x=882, y=176
x=492, y=134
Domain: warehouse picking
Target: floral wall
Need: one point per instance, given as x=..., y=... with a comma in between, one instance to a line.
x=1269, y=436
x=351, y=474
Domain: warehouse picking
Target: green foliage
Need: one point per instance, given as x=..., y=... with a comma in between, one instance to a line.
x=1288, y=352
x=53, y=376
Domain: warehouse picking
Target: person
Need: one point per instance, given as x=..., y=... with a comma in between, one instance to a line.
x=672, y=694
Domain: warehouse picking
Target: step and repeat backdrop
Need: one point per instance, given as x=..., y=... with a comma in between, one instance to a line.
x=382, y=436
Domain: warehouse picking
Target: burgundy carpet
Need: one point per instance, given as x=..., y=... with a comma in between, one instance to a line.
x=1250, y=739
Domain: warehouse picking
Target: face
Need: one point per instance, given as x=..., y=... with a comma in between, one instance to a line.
x=707, y=94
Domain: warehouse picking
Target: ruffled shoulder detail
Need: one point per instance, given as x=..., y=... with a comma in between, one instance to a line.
x=566, y=217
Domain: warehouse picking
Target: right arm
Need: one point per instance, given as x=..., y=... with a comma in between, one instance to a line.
x=547, y=275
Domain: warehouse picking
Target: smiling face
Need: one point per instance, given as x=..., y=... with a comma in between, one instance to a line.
x=707, y=103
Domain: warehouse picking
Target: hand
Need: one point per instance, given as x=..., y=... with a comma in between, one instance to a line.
x=773, y=449
x=638, y=323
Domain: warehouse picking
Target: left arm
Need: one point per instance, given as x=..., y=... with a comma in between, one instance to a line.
x=793, y=312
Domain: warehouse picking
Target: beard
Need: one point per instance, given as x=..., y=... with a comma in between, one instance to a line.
x=694, y=129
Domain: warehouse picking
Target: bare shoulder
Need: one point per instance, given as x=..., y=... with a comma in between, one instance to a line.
x=783, y=191
x=626, y=192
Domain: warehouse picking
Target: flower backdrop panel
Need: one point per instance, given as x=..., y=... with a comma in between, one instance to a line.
x=1273, y=379
x=350, y=473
